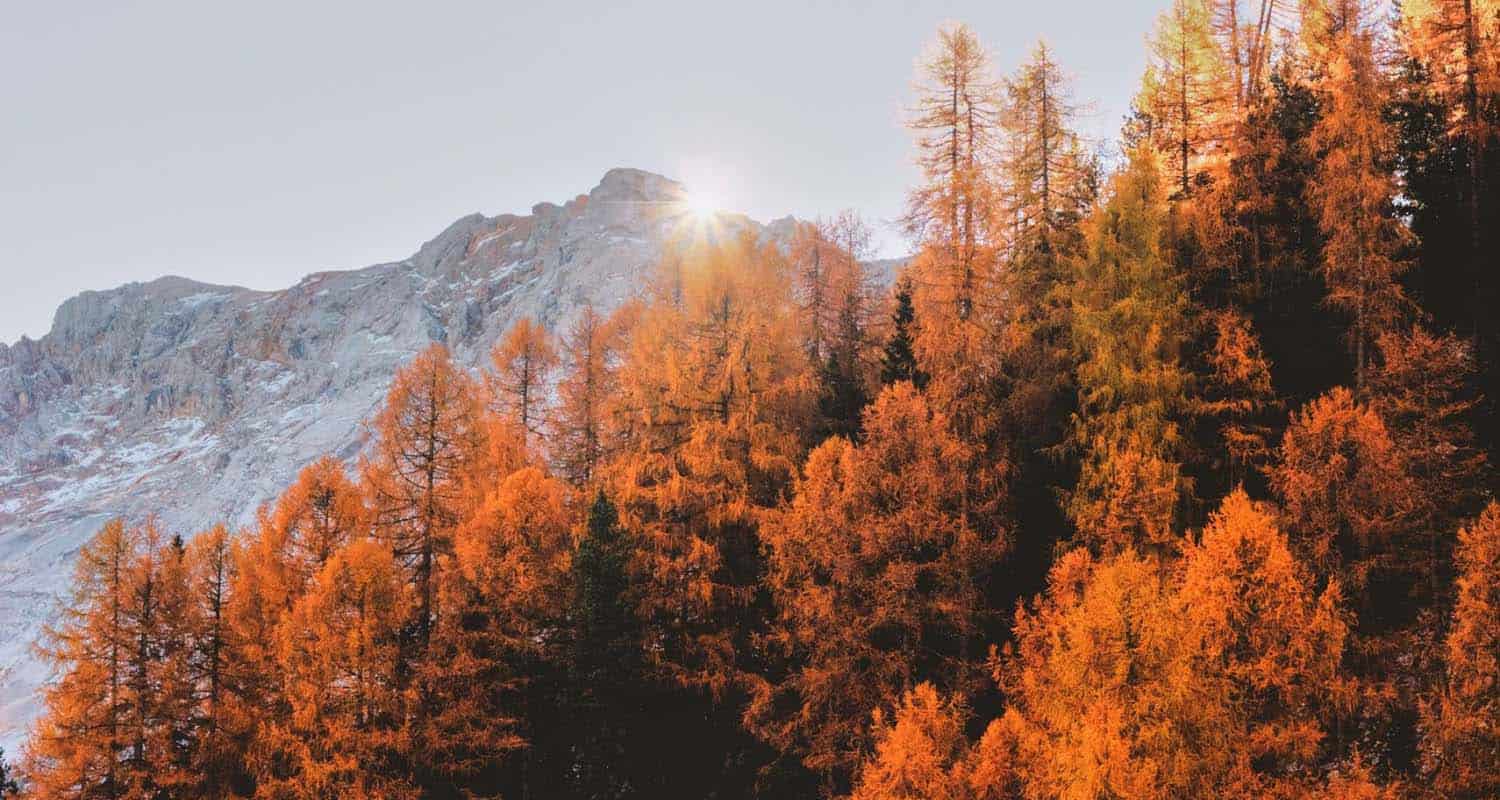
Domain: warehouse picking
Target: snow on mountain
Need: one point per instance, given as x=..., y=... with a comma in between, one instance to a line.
x=198, y=403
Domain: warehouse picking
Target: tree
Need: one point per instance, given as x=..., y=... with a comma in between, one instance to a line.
x=1422, y=390
x=501, y=604
x=77, y=746
x=1238, y=398
x=1048, y=183
x=1129, y=326
x=956, y=123
x=1211, y=677
x=218, y=755
x=1355, y=188
x=1183, y=91
x=1458, y=44
x=1106, y=691
x=316, y=516
x=608, y=687
x=898, y=362
x=579, y=440
x=715, y=403
x=523, y=363
x=715, y=399
x=1342, y=485
x=876, y=574
x=1250, y=604
x=339, y=653
x=1461, y=736
x=921, y=753
x=427, y=437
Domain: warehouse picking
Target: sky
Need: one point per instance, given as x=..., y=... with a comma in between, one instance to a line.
x=253, y=143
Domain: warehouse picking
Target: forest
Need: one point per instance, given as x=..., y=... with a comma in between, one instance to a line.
x=1163, y=470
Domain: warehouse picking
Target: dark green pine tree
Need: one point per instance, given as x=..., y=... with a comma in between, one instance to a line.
x=8, y=786
x=607, y=681
x=899, y=362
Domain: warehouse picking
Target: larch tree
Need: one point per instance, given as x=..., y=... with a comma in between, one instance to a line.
x=954, y=221
x=1422, y=390
x=1182, y=96
x=1129, y=325
x=580, y=436
x=339, y=653
x=502, y=602
x=76, y=747
x=1343, y=487
x=1238, y=398
x=219, y=754
x=1461, y=730
x=427, y=436
x=1048, y=182
x=715, y=398
x=956, y=122
x=877, y=579
x=158, y=629
x=316, y=516
x=523, y=363
x=1353, y=195
x=1250, y=605
x=920, y=752
x=1105, y=689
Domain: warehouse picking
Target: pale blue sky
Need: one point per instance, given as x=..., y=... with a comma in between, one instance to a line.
x=252, y=143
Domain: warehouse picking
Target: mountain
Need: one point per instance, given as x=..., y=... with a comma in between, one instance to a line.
x=198, y=403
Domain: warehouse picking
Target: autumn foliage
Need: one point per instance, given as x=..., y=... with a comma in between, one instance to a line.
x=1162, y=473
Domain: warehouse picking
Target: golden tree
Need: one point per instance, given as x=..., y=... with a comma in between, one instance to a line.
x=1353, y=196
x=877, y=580
x=1461, y=730
x=714, y=399
x=339, y=653
x=921, y=753
x=501, y=601
x=523, y=362
x=427, y=437
x=580, y=436
x=1128, y=329
x=76, y=747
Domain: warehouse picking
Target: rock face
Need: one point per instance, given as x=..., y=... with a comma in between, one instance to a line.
x=197, y=403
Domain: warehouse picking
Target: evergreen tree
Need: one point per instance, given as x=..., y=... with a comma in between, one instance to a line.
x=898, y=362
x=608, y=688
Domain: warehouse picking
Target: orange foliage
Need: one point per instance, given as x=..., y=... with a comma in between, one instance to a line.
x=876, y=574
x=1341, y=480
x=1462, y=725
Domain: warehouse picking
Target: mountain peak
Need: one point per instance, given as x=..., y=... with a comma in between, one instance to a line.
x=624, y=184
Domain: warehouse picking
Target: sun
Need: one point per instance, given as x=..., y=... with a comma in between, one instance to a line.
x=702, y=205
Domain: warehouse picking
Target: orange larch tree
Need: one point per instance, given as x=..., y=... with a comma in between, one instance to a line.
x=502, y=600
x=877, y=579
x=1461, y=727
x=523, y=362
x=427, y=437
x=1129, y=327
x=339, y=653
x=580, y=437
x=715, y=399
x=1353, y=196
x=76, y=747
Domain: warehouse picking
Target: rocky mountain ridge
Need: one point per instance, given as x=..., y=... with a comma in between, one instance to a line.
x=198, y=402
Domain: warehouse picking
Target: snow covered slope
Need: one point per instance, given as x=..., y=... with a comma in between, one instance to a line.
x=198, y=402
